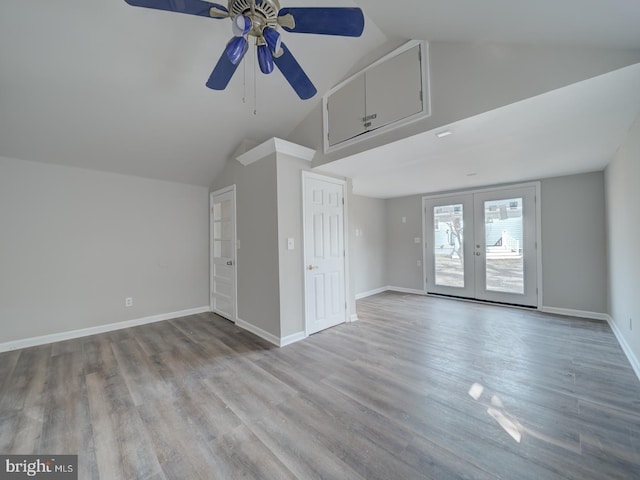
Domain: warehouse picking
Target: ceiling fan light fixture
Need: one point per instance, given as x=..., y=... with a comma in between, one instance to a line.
x=265, y=59
x=261, y=19
x=273, y=39
x=236, y=48
x=241, y=25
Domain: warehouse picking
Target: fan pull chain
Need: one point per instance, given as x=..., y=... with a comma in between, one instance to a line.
x=255, y=80
x=244, y=79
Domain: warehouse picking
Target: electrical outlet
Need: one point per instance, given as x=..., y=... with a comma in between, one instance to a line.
x=128, y=302
x=419, y=263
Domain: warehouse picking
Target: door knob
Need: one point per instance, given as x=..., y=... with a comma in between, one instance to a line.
x=230, y=262
x=312, y=267
x=478, y=254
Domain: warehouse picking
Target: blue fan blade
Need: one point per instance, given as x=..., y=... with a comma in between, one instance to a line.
x=346, y=22
x=294, y=74
x=191, y=7
x=222, y=73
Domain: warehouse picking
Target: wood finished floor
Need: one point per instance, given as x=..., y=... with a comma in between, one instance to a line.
x=388, y=397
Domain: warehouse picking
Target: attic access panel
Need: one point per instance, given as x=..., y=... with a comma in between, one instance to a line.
x=386, y=95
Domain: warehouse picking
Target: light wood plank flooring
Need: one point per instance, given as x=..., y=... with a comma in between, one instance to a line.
x=418, y=388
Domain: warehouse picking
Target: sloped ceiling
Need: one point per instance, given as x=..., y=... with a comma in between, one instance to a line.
x=573, y=129
x=604, y=24
x=570, y=130
x=102, y=85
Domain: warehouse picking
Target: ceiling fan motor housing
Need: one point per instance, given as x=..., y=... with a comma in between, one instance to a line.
x=266, y=13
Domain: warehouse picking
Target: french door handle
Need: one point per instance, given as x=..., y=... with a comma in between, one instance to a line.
x=229, y=262
x=312, y=267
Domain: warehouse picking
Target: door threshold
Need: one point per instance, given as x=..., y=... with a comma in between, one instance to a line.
x=486, y=302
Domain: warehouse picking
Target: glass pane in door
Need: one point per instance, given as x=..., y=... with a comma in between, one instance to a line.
x=448, y=245
x=504, y=227
x=222, y=233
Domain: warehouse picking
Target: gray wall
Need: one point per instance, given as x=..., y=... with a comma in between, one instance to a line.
x=622, y=181
x=74, y=243
x=291, y=272
x=502, y=74
x=257, y=228
x=269, y=212
x=369, y=249
x=402, y=251
x=574, y=252
x=573, y=242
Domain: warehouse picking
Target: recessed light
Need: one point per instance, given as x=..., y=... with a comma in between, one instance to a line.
x=471, y=174
x=443, y=134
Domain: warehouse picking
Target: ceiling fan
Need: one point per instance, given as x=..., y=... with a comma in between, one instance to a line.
x=261, y=19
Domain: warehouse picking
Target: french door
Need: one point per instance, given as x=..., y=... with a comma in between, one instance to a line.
x=483, y=245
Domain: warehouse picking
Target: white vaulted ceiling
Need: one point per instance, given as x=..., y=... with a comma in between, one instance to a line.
x=103, y=85
x=100, y=84
x=586, y=23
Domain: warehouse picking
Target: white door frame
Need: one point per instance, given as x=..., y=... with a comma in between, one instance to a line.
x=466, y=201
x=538, y=222
x=349, y=316
x=528, y=195
x=212, y=195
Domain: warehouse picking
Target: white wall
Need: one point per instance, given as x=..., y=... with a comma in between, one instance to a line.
x=368, y=243
x=622, y=183
x=74, y=243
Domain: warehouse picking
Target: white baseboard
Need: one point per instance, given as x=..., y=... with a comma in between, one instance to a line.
x=289, y=339
x=85, y=332
x=576, y=313
x=269, y=337
x=371, y=292
x=633, y=360
x=406, y=290
x=389, y=288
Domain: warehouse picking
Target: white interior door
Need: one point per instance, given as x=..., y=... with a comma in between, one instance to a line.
x=483, y=245
x=324, y=253
x=223, y=253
